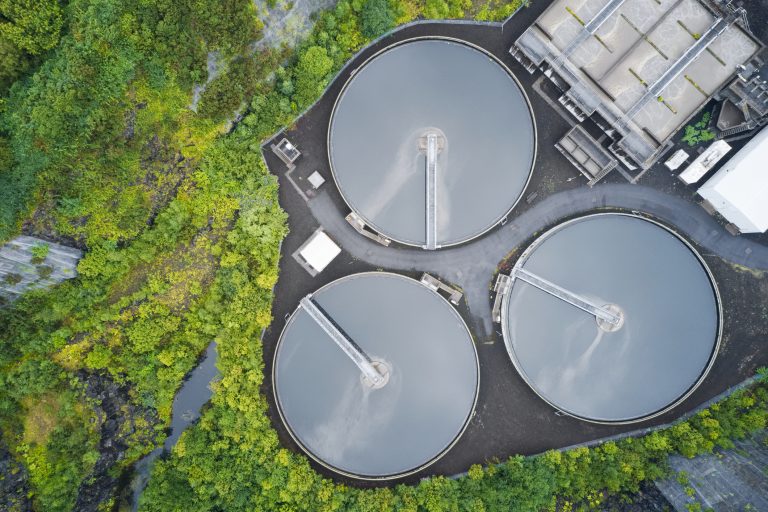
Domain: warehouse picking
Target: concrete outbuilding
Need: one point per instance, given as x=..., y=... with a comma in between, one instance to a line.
x=317, y=252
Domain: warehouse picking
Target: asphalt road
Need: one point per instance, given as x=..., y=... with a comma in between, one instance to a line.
x=510, y=418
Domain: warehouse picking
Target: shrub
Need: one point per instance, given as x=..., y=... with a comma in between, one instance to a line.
x=12, y=279
x=44, y=271
x=311, y=74
x=39, y=253
x=699, y=132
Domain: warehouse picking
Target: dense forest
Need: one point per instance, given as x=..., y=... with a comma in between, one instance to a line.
x=179, y=219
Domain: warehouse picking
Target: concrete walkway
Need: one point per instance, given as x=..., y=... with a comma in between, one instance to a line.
x=473, y=265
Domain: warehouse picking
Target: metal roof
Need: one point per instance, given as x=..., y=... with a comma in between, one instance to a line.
x=739, y=190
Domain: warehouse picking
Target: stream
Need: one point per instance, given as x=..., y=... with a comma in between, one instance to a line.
x=194, y=393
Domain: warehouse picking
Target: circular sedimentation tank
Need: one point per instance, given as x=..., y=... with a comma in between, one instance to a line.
x=482, y=123
x=650, y=350
x=421, y=348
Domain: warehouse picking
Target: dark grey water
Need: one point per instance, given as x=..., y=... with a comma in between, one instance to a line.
x=194, y=393
x=416, y=415
x=669, y=332
x=392, y=101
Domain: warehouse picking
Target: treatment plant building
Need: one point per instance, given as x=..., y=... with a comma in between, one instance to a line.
x=640, y=68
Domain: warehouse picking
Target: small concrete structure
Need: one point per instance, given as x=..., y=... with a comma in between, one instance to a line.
x=705, y=162
x=676, y=160
x=501, y=288
x=436, y=285
x=745, y=101
x=640, y=69
x=360, y=226
x=286, y=151
x=586, y=154
x=317, y=252
x=739, y=190
x=316, y=180
x=20, y=271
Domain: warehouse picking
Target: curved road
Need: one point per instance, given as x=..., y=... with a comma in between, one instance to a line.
x=470, y=266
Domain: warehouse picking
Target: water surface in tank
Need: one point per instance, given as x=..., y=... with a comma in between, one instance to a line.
x=670, y=310
x=405, y=424
x=440, y=86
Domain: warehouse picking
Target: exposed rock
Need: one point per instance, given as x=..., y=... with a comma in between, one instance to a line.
x=649, y=499
x=214, y=64
x=117, y=415
x=14, y=485
x=165, y=170
x=20, y=270
x=288, y=22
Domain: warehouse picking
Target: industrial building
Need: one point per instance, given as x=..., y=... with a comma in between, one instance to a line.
x=739, y=190
x=375, y=375
x=639, y=68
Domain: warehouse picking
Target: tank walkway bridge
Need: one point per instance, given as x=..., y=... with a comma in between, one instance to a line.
x=599, y=312
x=431, y=143
x=351, y=349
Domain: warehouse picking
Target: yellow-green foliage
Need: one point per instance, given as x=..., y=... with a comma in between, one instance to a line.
x=183, y=229
x=496, y=10
x=57, y=447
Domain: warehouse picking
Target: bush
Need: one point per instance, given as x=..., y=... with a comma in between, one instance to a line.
x=39, y=253
x=311, y=74
x=229, y=91
x=12, y=279
x=44, y=271
x=699, y=132
x=32, y=25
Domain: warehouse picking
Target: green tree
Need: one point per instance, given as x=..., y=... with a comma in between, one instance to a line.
x=32, y=25
x=227, y=92
x=311, y=74
x=377, y=18
x=14, y=63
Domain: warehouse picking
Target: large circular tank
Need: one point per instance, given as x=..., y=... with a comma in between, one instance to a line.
x=480, y=116
x=663, y=300
x=416, y=340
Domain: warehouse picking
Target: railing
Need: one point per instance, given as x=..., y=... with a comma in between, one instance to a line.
x=431, y=203
x=566, y=295
x=349, y=347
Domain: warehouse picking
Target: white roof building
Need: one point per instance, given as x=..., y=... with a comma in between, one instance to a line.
x=739, y=190
x=317, y=252
x=704, y=162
